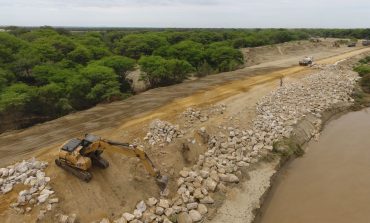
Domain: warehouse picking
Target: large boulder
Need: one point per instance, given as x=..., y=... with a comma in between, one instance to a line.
x=211, y=184
x=128, y=216
x=164, y=203
x=195, y=215
x=152, y=201
x=184, y=218
x=136, y=82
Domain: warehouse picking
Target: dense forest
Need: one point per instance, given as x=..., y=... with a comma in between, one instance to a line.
x=48, y=72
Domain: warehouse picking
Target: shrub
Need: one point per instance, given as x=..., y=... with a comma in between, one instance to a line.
x=365, y=83
x=366, y=60
x=362, y=69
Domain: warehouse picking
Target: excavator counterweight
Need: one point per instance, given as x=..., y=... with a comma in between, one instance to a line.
x=77, y=156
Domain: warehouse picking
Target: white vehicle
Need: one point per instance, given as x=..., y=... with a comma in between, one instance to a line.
x=366, y=42
x=306, y=61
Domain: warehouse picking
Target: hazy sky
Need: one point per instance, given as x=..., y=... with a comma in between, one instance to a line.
x=187, y=13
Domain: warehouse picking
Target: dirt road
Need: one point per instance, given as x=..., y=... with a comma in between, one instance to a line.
x=107, y=117
x=124, y=183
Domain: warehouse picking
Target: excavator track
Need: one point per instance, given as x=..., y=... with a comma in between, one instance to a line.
x=99, y=161
x=81, y=174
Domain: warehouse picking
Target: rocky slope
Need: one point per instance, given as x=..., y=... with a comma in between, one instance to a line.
x=231, y=150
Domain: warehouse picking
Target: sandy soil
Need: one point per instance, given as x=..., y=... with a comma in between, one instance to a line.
x=125, y=182
x=238, y=206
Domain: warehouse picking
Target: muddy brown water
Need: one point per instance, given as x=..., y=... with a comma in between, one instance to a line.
x=331, y=182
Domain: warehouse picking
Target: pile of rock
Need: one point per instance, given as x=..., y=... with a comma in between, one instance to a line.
x=161, y=132
x=192, y=114
x=227, y=153
x=30, y=173
x=217, y=109
x=162, y=210
x=282, y=109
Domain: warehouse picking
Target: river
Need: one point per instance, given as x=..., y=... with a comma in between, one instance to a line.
x=331, y=182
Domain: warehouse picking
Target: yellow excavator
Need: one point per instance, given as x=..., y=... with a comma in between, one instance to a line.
x=78, y=155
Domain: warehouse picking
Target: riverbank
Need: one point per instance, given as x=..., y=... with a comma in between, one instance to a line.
x=295, y=147
x=330, y=183
x=242, y=206
x=318, y=175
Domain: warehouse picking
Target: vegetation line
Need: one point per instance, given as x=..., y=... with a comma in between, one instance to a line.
x=362, y=94
x=49, y=72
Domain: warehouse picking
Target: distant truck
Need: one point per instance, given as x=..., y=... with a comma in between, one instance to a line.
x=352, y=44
x=306, y=61
x=366, y=42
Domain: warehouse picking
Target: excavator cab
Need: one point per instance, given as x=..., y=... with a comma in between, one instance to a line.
x=71, y=145
x=74, y=143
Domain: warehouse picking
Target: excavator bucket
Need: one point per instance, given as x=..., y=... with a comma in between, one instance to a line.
x=162, y=182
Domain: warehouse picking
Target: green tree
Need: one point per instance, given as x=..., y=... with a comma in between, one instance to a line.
x=282, y=36
x=36, y=34
x=239, y=43
x=224, y=58
x=178, y=70
x=62, y=44
x=49, y=73
x=190, y=51
x=9, y=45
x=121, y=65
x=47, y=52
x=77, y=88
x=6, y=78
x=16, y=97
x=206, y=37
x=154, y=68
x=23, y=63
x=6, y=55
x=100, y=83
x=51, y=100
x=160, y=72
x=53, y=48
x=93, y=41
x=205, y=69
x=176, y=37
x=80, y=55
x=136, y=45
x=98, y=52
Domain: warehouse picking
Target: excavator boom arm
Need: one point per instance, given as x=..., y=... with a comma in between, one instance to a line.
x=123, y=148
